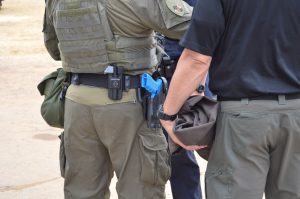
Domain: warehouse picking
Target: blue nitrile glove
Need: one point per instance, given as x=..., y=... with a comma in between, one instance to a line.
x=151, y=85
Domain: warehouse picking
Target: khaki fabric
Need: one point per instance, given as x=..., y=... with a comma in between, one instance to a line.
x=89, y=95
x=101, y=139
x=51, y=42
x=138, y=18
x=93, y=34
x=256, y=149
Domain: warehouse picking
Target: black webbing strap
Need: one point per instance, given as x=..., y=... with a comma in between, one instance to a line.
x=101, y=80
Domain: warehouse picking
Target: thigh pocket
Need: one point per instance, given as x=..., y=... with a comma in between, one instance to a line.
x=62, y=155
x=219, y=183
x=155, y=159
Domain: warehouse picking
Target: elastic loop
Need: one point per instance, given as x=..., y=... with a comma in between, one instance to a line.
x=281, y=100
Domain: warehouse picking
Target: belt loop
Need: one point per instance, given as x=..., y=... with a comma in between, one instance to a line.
x=245, y=101
x=281, y=100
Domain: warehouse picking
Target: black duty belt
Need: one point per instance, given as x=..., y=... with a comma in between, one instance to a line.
x=263, y=97
x=101, y=80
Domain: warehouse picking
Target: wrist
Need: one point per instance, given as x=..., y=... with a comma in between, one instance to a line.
x=163, y=115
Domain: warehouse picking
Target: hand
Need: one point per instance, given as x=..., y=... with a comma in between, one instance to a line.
x=168, y=126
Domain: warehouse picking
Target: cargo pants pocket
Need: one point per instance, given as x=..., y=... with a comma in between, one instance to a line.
x=219, y=183
x=155, y=159
x=62, y=155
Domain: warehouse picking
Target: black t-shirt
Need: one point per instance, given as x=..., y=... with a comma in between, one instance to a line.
x=255, y=45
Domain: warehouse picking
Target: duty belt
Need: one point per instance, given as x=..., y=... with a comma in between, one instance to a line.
x=101, y=80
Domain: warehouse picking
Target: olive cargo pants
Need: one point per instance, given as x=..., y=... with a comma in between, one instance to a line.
x=257, y=149
x=101, y=139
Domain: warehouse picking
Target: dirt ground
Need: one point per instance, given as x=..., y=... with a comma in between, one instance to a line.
x=28, y=147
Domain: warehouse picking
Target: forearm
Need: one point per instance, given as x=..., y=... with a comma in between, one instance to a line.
x=190, y=72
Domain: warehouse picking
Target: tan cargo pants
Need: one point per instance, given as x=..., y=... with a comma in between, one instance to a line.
x=257, y=149
x=101, y=139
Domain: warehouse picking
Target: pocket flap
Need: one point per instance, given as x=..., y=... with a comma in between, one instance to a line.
x=42, y=84
x=51, y=82
x=154, y=142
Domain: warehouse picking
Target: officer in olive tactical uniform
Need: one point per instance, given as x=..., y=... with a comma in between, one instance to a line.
x=106, y=45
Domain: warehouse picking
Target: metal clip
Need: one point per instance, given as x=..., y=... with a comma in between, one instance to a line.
x=109, y=70
x=127, y=83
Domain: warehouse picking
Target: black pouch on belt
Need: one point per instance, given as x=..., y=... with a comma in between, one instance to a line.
x=167, y=67
x=115, y=86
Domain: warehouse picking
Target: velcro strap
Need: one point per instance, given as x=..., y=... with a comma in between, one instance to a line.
x=101, y=80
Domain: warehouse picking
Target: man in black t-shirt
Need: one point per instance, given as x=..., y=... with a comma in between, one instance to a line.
x=251, y=49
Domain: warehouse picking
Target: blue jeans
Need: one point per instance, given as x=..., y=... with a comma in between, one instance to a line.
x=185, y=176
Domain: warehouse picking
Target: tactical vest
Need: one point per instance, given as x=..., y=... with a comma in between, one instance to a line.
x=87, y=44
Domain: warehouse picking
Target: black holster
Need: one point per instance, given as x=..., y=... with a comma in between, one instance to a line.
x=150, y=105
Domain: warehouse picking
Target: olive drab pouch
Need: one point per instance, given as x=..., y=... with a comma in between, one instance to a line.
x=54, y=87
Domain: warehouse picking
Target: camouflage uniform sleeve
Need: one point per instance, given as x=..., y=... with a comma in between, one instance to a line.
x=50, y=38
x=169, y=17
